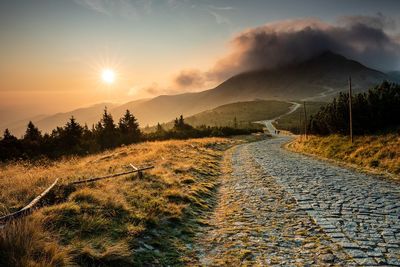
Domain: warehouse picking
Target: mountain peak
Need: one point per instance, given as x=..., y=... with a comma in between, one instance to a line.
x=329, y=56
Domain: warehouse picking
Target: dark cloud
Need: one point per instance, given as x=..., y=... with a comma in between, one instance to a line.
x=361, y=38
x=190, y=79
x=379, y=21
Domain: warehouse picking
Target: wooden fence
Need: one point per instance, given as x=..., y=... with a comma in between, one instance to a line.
x=34, y=203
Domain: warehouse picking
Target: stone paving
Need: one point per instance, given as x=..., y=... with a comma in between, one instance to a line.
x=257, y=223
x=360, y=212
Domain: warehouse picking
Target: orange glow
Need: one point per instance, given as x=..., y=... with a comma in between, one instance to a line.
x=108, y=76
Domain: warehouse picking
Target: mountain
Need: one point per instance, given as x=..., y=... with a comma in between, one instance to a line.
x=394, y=75
x=48, y=123
x=316, y=79
x=244, y=113
x=319, y=78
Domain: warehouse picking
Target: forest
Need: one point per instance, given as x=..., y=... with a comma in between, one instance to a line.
x=75, y=139
x=373, y=112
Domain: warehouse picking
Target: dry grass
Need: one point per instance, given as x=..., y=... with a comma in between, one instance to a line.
x=122, y=221
x=26, y=243
x=380, y=153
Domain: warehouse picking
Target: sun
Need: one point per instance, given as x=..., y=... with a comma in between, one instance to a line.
x=108, y=76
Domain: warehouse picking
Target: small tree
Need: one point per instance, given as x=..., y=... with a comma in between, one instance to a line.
x=180, y=125
x=32, y=141
x=10, y=146
x=72, y=136
x=107, y=131
x=32, y=133
x=129, y=128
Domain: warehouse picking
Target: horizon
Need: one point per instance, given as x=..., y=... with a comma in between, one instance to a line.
x=53, y=63
x=200, y=133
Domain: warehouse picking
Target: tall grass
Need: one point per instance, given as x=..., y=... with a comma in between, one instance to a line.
x=25, y=243
x=123, y=221
x=374, y=152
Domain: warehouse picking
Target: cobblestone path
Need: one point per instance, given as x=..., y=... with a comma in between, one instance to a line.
x=359, y=212
x=256, y=223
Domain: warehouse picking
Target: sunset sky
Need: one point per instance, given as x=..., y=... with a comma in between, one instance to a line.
x=53, y=52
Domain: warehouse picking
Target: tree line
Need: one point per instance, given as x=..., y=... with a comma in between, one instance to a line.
x=75, y=139
x=374, y=111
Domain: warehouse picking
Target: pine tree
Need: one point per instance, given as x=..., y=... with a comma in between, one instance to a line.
x=7, y=136
x=10, y=147
x=72, y=136
x=32, y=141
x=107, y=131
x=159, y=128
x=32, y=133
x=129, y=128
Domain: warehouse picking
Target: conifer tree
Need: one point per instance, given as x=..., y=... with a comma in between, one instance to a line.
x=32, y=133
x=107, y=131
x=129, y=128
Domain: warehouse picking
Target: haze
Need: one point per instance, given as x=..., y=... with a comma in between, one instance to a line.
x=53, y=51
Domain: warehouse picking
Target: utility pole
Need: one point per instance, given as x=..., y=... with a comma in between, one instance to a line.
x=350, y=112
x=305, y=120
x=300, y=124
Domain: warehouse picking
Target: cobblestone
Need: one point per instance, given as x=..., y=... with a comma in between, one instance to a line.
x=360, y=212
x=256, y=222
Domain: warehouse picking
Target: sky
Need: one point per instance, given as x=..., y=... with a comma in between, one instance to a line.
x=52, y=52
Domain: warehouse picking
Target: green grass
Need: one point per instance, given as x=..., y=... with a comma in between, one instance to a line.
x=245, y=113
x=293, y=121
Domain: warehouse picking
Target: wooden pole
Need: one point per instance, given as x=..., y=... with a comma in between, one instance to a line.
x=300, y=124
x=111, y=176
x=28, y=208
x=350, y=112
x=305, y=120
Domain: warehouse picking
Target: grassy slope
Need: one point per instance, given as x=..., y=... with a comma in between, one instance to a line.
x=121, y=221
x=245, y=113
x=381, y=152
x=291, y=122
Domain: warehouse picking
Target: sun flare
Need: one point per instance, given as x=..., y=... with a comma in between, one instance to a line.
x=108, y=76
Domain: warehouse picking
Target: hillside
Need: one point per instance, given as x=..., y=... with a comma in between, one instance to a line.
x=245, y=113
x=325, y=73
x=115, y=222
x=372, y=152
x=294, y=122
x=89, y=115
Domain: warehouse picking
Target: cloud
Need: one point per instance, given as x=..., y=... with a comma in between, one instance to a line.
x=283, y=43
x=221, y=7
x=216, y=11
x=379, y=21
x=189, y=79
x=95, y=5
x=150, y=90
x=119, y=8
x=220, y=19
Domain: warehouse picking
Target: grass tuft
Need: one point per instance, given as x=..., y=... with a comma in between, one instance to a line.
x=24, y=242
x=380, y=152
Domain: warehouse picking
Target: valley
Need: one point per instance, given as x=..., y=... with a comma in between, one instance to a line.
x=317, y=79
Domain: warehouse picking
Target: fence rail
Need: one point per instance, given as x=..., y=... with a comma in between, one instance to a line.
x=28, y=208
x=112, y=175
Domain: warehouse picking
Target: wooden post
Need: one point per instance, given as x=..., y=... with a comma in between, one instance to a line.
x=305, y=120
x=139, y=173
x=300, y=124
x=350, y=112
